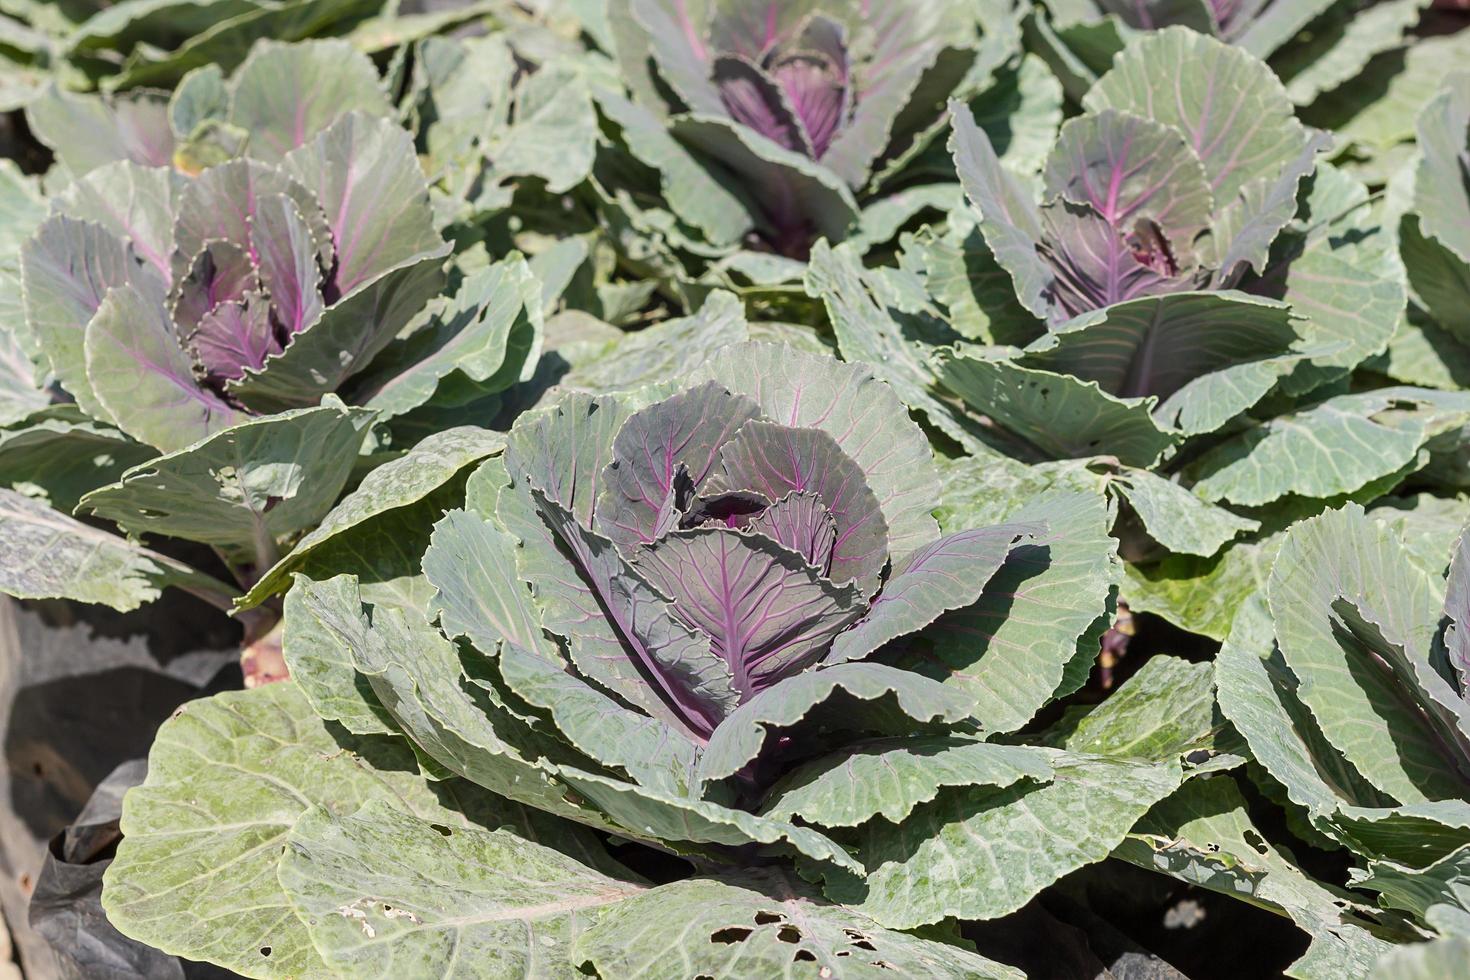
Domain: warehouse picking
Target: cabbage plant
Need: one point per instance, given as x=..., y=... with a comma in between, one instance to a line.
x=246, y=290
x=479, y=116
x=1341, y=678
x=712, y=618
x=1314, y=46
x=1360, y=68
x=757, y=129
x=1346, y=676
x=1172, y=316
x=207, y=353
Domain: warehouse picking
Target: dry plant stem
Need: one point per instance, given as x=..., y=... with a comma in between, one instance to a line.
x=261, y=658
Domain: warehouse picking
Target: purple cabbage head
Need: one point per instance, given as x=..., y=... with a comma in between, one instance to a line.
x=1152, y=190
x=788, y=94
x=725, y=539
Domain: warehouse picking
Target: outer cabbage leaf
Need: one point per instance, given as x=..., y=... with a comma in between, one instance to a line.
x=1045, y=608
x=532, y=908
x=1337, y=446
x=778, y=927
x=245, y=487
x=324, y=621
x=281, y=95
x=652, y=753
x=1313, y=592
x=998, y=846
x=1442, y=206
x=86, y=132
x=1207, y=356
x=915, y=701
x=489, y=336
x=474, y=900
x=949, y=574
x=1203, y=834
x=396, y=484
x=891, y=777
x=896, y=346
x=228, y=779
x=1165, y=711
x=67, y=269
x=284, y=94
x=48, y=555
x=1057, y=414
x=57, y=457
x=1355, y=708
